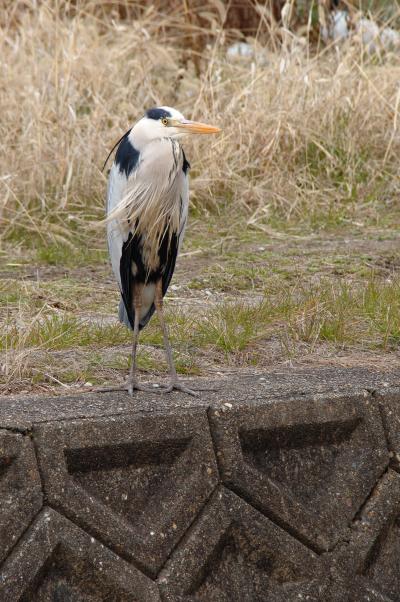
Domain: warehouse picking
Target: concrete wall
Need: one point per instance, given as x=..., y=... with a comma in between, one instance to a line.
x=282, y=487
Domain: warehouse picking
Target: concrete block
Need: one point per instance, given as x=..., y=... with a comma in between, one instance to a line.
x=20, y=488
x=136, y=482
x=308, y=463
x=58, y=562
x=234, y=553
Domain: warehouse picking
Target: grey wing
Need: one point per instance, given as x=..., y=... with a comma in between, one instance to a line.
x=116, y=233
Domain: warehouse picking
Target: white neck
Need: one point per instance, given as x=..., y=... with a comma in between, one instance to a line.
x=145, y=131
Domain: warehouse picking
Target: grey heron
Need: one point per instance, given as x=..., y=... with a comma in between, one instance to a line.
x=147, y=209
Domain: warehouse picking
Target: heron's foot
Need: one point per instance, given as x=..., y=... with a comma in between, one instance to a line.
x=176, y=385
x=128, y=387
x=131, y=387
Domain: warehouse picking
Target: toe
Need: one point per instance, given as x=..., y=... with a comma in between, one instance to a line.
x=180, y=387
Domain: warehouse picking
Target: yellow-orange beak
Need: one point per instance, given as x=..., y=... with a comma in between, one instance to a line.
x=194, y=127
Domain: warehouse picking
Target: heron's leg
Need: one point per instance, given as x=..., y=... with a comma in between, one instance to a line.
x=175, y=382
x=137, y=305
x=133, y=383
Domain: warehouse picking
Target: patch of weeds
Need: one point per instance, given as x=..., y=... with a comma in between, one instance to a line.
x=70, y=255
x=92, y=372
x=366, y=314
x=232, y=326
x=79, y=295
x=54, y=332
x=10, y=292
x=239, y=276
x=332, y=217
x=117, y=361
x=180, y=326
x=338, y=162
x=152, y=334
x=147, y=362
x=186, y=364
x=381, y=305
x=63, y=294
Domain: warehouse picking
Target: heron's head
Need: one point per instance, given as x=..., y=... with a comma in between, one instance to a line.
x=166, y=122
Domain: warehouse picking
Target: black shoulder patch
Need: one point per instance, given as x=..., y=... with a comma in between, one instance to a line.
x=158, y=114
x=186, y=164
x=127, y=156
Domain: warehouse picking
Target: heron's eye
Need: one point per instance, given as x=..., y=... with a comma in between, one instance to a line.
x=164, y=121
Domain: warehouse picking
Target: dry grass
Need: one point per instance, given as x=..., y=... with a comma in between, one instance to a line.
x=310, y=142
x=301, y=136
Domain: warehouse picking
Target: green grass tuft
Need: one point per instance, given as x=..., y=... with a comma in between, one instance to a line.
x=55, y=332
